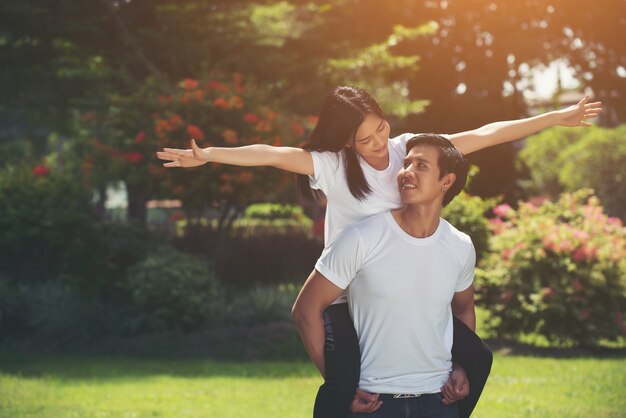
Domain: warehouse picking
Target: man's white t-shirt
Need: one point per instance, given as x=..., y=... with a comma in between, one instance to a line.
x=342, y=208
x=400, y=290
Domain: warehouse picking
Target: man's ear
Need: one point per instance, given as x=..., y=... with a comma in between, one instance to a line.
x=448, y=181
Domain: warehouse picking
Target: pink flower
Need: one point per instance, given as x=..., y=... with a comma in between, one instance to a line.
x=40, y=170
x=585, y=314
x=502, y=211
x=579, y=254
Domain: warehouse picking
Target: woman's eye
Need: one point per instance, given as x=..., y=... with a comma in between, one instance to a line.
x=382, y=127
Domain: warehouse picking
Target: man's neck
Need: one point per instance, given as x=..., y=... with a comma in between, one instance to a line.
x=419, y=221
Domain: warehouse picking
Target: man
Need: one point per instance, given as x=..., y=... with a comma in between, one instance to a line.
x=407, y=272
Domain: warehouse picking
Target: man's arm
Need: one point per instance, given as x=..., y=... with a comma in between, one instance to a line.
x=316, y=295
x=506, y=131
x=463, y=307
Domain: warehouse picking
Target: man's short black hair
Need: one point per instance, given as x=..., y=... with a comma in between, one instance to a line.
x=451, y=160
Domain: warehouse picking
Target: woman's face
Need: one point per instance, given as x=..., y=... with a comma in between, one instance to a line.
x=371, y=138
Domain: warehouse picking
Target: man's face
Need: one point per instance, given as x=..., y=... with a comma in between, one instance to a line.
x=418, y=180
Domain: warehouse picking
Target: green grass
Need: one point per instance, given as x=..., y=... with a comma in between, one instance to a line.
x=34, y=385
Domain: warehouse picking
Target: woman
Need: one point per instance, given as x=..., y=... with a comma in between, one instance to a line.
x=351, y=160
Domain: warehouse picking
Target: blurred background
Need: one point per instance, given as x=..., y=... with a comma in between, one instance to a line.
x=103, y=252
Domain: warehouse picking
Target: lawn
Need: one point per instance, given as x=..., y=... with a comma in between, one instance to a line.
x=45, y=385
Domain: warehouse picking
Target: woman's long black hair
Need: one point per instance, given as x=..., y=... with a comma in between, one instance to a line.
x=342, y=113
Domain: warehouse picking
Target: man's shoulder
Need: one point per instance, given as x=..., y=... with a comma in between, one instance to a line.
x=456, y=236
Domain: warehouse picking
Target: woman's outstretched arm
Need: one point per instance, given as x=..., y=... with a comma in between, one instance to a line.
x=295, y=160
x=506, y=131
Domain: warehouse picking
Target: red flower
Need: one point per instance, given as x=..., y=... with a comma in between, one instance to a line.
x=141, y=136
x=133, y=157
x=194, y=132
x=40, y=170
x=164, y=100
x=190, y=84
x=214, y=85
x=236, y=102
x=221, y=102
x=297, y=129
x=230, y=136
x=245, y=177
x=177, y=216
x=251, y=117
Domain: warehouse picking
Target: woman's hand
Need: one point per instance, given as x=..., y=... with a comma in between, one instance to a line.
x=577, y=115
x=457, y=386
x=365, y=402
x=193, y=157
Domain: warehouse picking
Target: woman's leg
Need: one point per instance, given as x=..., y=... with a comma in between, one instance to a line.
x=471, y=353
x=342, y=360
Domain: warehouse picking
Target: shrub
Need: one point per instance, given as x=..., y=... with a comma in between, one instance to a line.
x=557, y=270
x=273, y=218
x=40, y=215
x=467, y=214
x=172, y=290
x=267, y=258
x=260, y=303
x=53, y=311
x=96, y=264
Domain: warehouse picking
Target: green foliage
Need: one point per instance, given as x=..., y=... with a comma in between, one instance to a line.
x=541, y=159
x=598, y=161
x=55, y=313
x=568, y=159
x=557, y=270
x=96, y=263
x=41, y=215
x=467, y=214
x=370, y=68
x=272, y=217
x=173, y=290
x=260, y=259
x=260, y=303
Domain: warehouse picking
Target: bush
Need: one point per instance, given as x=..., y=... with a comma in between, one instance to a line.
x=557, y=270
x=172, y=290
x=267, y=258
x=53, y=311
x=467, y=214
x=96, y=264
x=40, y=216
x=260, y=303
x=565, y=159
x=273, y=218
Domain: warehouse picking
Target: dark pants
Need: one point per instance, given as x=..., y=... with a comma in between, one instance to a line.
x=343, y=364
x=426, y=406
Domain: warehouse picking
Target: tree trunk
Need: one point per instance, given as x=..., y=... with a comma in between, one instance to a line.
x=136, y=210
